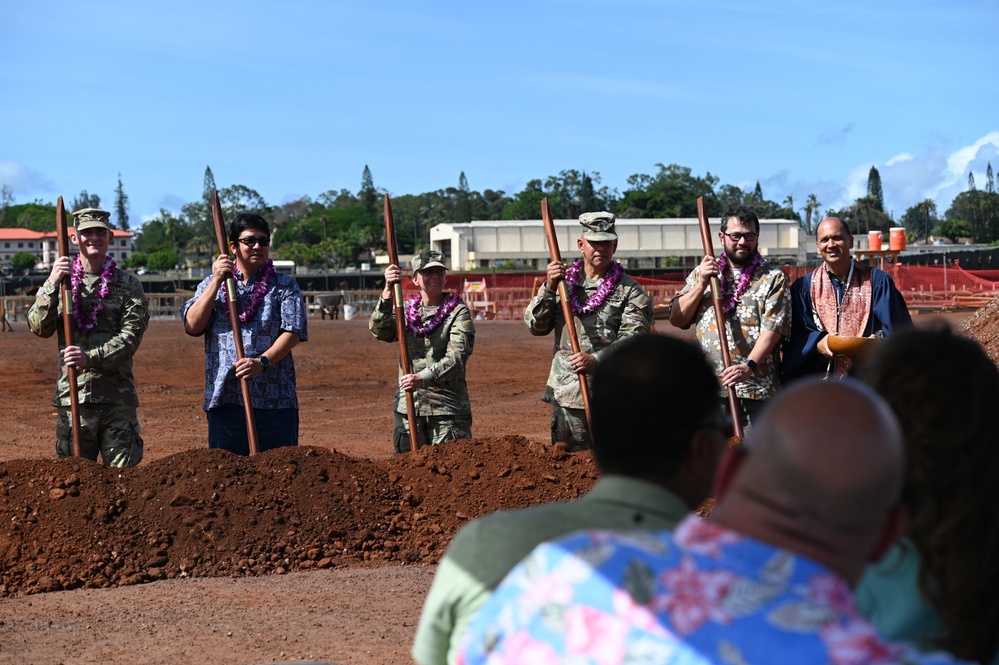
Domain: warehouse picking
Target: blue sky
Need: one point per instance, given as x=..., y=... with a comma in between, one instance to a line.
x=295, y=98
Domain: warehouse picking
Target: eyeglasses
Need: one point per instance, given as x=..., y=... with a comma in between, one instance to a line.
x=250, y=241
x=736, y=237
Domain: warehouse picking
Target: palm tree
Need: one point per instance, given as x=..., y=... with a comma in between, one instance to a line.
x=811, y=207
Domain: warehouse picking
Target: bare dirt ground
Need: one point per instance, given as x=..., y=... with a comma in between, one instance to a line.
x=323, y=552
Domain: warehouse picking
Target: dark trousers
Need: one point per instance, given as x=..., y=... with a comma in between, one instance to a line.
x=275, y=428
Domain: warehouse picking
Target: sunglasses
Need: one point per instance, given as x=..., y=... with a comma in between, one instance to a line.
x=263, y=241
x=736, y=237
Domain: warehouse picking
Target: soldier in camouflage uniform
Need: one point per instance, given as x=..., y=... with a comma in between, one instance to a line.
x=609, y=306
x=439, y=340
x=109, y=315
x=757, y=308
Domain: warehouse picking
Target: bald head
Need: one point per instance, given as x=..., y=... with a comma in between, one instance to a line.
x=822, y=473
x=832, y=225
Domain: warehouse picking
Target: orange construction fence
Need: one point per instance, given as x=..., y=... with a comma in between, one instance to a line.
x=940, y=287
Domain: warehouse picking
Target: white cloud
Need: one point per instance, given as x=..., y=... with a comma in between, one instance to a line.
x=960, y=162
x=23, y=181
x=898, y=159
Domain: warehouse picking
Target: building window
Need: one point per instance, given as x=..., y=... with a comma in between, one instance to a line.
x=124, y=255
x=20, y=245
x=6, y=245
x=121, y=243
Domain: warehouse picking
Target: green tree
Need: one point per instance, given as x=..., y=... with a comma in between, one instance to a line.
x=526, y=204
x=121, y=205
x=6, y=201
x=239, y=198
x=368, y=194
x=672, y=192
x=811, y=210
x=463, y=202
x=758, y=193
x=875, y=193
x=85, y=200
x=921, y=219
x=209, y=186
x=953, y=230
x=35, y=216
x=23, y=262
x=162, y=260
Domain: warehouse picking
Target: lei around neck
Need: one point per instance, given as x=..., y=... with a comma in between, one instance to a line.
x=730, y=297
x=573, y=276
x=85, y=321
x=420, y=328
x=259, y=291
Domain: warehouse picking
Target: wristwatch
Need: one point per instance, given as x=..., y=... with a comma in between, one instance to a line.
x=751, y=364
x=264, y=362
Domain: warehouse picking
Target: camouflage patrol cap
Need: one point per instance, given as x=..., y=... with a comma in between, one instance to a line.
x=89, y=218
x=598, y=226
x=428, y=258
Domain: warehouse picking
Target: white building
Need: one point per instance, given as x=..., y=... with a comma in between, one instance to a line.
x=45, y=246
x=642, y=243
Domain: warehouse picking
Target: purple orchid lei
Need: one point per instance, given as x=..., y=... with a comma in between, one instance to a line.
x=86, y=322
x=572, y=279
x=729, y=297
x=423, y=328
x=259, y=291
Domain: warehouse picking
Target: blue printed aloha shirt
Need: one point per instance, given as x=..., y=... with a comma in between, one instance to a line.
x=766, y=305
x=282, y=310
x=702, y=595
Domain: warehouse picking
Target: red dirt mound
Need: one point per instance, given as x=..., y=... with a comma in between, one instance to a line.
x=984, y=327
x=66, y=524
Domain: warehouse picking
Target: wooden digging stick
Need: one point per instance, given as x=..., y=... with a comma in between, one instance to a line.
x=733, y=402
x=400, y=324
x=237, y=334
x=66, y=289
x=563, y=293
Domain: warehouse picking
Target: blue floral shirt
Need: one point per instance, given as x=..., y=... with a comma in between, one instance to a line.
x=282, y=310
x=702, y=595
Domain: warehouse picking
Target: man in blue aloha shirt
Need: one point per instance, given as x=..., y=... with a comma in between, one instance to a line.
x=272, y=322
x=766, y=579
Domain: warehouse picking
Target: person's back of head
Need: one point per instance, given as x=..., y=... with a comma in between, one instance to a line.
x=656, y=415
x=821, y=475
x=945, y=390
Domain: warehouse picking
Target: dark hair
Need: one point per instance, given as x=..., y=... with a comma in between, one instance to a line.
x=744, y=214
x=247, y=220
x=945, y=391
x=651, y=393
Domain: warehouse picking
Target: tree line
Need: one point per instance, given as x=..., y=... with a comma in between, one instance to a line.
x=339, y=227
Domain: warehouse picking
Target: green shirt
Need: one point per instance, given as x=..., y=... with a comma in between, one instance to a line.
x=439, y=358
x=109, y=345
x=485, y=550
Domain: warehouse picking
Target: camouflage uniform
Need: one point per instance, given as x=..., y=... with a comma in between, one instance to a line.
x=766, y=305
x=443, y=409
x=626, y=311
x=106, y=388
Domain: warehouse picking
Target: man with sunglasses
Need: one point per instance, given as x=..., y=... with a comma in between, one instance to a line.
x=840, y=297
x=756, y=307
x=273, y=321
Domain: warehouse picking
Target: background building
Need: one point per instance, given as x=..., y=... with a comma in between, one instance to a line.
x=642, y=243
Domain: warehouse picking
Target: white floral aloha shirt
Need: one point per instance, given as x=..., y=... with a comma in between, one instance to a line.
x=766, y=305
x=702, y=595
